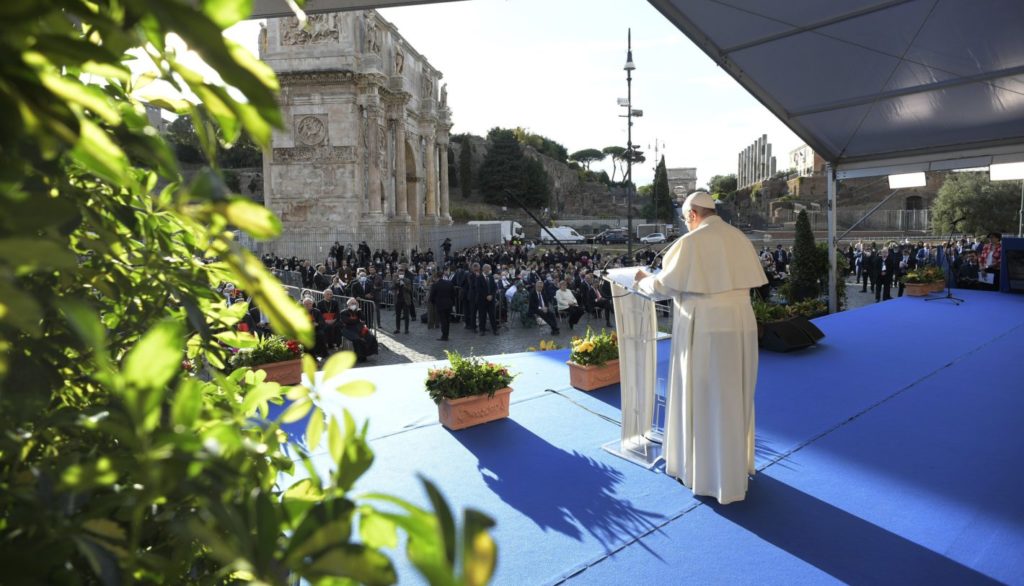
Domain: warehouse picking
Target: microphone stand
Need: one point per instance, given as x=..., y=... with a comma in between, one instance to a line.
x=949, y=276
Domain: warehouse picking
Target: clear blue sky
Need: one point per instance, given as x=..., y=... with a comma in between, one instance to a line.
x=555, y=67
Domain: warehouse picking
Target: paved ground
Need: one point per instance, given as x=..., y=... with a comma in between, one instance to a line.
x=421, y=344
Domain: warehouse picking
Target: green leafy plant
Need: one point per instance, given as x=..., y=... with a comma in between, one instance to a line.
x=267, y=350
x=117, y=465
x=594, y=349
x=466, y=376
x=766, y=312
x=807, y=308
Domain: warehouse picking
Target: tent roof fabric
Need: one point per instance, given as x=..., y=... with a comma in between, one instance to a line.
x=873, y=82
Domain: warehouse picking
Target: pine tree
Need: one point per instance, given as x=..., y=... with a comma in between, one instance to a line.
x=803, y=273
x=662, y=197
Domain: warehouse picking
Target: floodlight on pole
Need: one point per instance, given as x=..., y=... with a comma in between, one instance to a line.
x=630, y=66
x=904, y=180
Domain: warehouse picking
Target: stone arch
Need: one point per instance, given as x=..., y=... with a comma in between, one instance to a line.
x=914, y=202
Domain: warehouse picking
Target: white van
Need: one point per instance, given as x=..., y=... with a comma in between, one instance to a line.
x=565, y=234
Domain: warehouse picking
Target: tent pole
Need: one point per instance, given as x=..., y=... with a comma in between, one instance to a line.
x=833, y=298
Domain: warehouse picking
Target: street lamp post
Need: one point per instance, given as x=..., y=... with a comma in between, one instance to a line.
x=629, y=142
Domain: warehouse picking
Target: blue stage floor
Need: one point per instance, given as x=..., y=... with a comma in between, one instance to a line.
x=890, y=453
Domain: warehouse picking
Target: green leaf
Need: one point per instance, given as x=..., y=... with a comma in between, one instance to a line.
x=225, y=13
x=357, y=388
x=188, y=403
x=362, y=564
x=338, y=363
x=97, y=153
x=335, y=441
x=377, y=531
x=296, y=410
x=28, y=255
x=255, y=219
x=286, y=316
x=20, y=309
x=309, y=368
x=315, y=430
x=86, y=323
x=238, y=339
x=444, y=518
x=260, y=394
x=479, y=552
x=156, y=358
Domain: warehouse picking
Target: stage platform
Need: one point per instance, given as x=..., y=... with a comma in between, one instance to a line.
x=889, y=454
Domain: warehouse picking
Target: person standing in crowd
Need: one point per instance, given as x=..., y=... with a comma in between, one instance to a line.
x=320, y=279
x=442, y=297
x=884, y=267
x=486, y=298
x=709, y=431
x=904, y=265
x=867, y=267
x=446, y=246
x=541, y=307
x=306, y=272
x=469, y=306
x=990, y=259
x=781, y=259
x=404, y=301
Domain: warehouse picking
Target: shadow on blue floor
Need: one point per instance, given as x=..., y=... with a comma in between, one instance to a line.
x=845, y=546
x=558, y=490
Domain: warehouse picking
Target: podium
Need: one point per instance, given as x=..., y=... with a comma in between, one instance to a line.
x=636, y=323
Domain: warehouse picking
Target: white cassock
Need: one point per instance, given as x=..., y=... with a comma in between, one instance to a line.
x=709, y=428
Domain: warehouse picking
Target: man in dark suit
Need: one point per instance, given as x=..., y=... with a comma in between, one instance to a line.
x=469, y=292
x=882, y=273
x=486, y=298
x=541, y=307
x=781, y=259
x=319, y=328
x=595, y=300
x=904, y=264
x=442, y=297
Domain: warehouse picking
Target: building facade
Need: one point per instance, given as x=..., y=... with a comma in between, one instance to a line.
x=806, y=161
x=755, y=163
x=682, y=181
x=363, y=154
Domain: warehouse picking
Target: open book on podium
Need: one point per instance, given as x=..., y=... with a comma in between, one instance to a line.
x=636, y=323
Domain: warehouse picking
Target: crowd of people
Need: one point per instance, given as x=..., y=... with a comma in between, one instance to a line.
x=482, y=287
x=968, y=263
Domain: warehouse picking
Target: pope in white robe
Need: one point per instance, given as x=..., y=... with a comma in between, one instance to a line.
x=709, y=428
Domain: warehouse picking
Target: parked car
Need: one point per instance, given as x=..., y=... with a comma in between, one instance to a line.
x=653, y=238
x=612, y=237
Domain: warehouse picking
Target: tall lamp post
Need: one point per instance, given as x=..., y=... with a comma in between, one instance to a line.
x=629, y=142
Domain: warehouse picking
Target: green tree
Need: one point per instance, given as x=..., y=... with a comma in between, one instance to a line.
x=587, y=156
x=617, y=154
x=805, y=266
x=660, y=207
x=506, y=169
x=183, y=139
x=466, y=168
x=722, y=185
x=129, y=455
x=986, y=206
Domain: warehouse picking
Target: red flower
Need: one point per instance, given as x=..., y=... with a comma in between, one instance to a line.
x=293, y=347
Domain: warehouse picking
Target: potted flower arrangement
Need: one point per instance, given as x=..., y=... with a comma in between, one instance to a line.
x=594, y=360
x=469, y=391
x=922, y=281
x=544, y=346
x=279, y=357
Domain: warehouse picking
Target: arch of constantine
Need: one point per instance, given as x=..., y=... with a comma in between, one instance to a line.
x=364, y=151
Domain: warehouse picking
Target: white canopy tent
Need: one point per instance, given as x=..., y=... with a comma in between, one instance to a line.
x=876, y=87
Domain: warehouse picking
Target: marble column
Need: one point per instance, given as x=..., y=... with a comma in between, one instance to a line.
x=401, y=199
x=431, y=165
x=444, y=180
x=375, y=163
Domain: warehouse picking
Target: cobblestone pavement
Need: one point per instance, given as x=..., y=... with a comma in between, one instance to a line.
x=421, y=344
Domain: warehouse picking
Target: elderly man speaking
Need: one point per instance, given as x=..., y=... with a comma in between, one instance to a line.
x=709, y=431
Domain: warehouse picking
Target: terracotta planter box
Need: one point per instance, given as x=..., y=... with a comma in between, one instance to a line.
x=589, y=378
x=938, y=287
x=918, y=289
x=470, y=411
x=288, y=372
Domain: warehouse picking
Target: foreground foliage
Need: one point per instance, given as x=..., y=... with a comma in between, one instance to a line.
x=118, y=465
